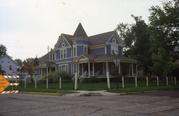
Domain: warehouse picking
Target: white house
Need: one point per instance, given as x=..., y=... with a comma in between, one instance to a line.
x=8, y=66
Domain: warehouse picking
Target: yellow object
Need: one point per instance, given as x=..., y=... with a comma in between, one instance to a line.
x=4, y=83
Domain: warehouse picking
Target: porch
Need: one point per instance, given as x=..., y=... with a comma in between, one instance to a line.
x=100, y=66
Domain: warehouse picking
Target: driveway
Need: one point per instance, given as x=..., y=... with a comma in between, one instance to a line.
x=163, y=103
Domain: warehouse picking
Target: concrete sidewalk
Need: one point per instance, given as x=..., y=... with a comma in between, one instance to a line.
x=92, y=93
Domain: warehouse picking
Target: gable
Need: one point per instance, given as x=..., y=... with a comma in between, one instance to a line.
x=62, y=42
x=7, y=59
x=115, y=39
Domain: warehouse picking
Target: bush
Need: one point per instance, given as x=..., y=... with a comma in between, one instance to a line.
x=54, y=76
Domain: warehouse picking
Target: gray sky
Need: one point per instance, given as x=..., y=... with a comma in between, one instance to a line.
x=27, y=27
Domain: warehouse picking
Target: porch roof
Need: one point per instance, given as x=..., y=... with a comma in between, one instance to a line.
x=102, y=58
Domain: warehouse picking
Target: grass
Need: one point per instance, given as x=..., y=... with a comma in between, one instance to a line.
x=68, y=87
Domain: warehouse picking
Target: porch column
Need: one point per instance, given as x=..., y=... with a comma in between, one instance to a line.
x=78, y=68
x=47, y=79
x=119, y=67
x=136, y=69
x=82, y=70
x=89, y=69
x=41, y=73
x=93, y=69
x=129, y=69
x=132, y=69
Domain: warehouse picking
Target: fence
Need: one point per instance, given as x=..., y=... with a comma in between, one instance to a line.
x=101, y=84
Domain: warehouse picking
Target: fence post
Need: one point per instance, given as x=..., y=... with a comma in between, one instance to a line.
x=108, y=81
x=47, y=82
x=25, y=82
x=76, y=81
x=60, y=83
x=35, y=80
x=175, y=81
x=157, y=81
x=135, y=81
x=123, y=82
x=166, y=80
x=147, y=81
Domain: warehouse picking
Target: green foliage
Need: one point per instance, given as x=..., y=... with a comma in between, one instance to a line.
x=2, y=50
x=163, y=21
x=154, y=45
x=54, y=76
x=137, y=41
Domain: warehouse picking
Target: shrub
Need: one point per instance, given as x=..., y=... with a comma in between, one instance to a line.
x=54, y=76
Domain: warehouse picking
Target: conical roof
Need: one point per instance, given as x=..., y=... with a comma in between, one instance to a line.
x=80, y=32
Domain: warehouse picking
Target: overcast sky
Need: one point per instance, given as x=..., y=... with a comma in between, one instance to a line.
x=27, y=27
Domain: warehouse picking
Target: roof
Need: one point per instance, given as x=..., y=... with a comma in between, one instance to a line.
x=100, y=38
x=102, y=58
x=80, y=32
x=93, y=40
x=44, y=58
x=68, y=37
x=9, y=58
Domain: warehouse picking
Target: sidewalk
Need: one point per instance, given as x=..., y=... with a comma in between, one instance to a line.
x=92, y=93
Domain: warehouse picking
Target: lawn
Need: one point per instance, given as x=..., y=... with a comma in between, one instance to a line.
x=68, y=87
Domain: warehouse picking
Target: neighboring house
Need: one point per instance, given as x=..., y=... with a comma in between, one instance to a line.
x=46, y=65
x=8, y=66
x=96, y=55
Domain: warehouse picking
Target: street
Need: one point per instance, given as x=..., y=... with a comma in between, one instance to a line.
x=164, y=103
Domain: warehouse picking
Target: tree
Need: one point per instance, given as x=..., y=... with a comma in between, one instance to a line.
x=137, y=41
x=2, y=50
x=19, y=62
x=28, y=66
x=165, y=38
x=36, y=61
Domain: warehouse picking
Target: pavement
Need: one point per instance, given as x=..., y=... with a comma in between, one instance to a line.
x=92, y=93
x=161, y=103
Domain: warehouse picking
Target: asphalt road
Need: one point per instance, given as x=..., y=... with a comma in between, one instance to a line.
x=164, y=103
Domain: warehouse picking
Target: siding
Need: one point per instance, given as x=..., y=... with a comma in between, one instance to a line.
x=97, y=51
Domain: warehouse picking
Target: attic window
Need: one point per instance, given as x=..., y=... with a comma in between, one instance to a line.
x=63, y=44
x=113, y=40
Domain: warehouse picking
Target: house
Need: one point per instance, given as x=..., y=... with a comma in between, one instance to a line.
x=96, y=55
x=46, y=65
x=8, y=66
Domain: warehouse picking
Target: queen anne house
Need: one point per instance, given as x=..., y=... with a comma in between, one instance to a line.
x=89, y=56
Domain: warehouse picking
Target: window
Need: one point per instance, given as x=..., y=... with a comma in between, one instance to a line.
x=63, y=44
x=113, y=40
x=85, y=49
x=74, y=51
x=63, y=67
x=10, y=67
x=63, y=53
x=114, y=49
